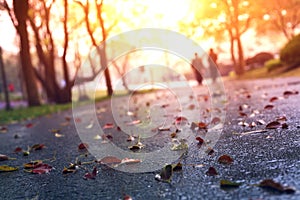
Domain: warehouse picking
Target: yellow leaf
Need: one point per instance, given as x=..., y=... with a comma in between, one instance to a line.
x=6, y=168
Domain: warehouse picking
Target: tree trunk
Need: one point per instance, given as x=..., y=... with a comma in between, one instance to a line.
x=6, y=94
x=21, y=10
x=241, y=63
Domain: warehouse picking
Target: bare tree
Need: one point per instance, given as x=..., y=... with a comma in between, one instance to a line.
x=101, y=50
x=19, y=17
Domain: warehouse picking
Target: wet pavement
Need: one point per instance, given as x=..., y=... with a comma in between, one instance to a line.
x=268, y=154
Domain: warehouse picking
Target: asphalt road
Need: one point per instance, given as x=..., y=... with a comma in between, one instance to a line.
x=270, y=154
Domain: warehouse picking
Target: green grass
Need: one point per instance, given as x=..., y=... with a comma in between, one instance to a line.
x=19, y=114
x=265, y=73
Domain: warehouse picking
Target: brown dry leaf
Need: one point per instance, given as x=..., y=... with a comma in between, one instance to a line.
x=211, y=172
x=225, y=159
x=273, y=125
x=271, y=184
x=127, y=197
x=110, y=160
x=281, y=119
x=286, y=94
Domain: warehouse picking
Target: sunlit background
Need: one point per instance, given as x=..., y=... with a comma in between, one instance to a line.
x=235, y=29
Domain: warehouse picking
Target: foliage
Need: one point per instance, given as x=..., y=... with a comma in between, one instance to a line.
x=273, y=64
x=290, y=53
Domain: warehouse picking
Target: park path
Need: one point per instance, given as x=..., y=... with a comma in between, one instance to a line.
x=258, y=153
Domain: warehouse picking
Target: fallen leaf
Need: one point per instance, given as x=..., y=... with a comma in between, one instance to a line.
x=29, y=125
x=261, y=122
x=271, y=184
x=177, y=167
x=210, y=151
x=268, y=107
x=225, y=159
x=286, y=94
x=242, y=114
x=41, y=168
x=284, y=126
x=180, y=119
x=173, y=135
x=6, y=168
x=281, y=119
x=91, y=124
x=108, y=126
x=229, y=184
x=37, y=147
x=200, y=140
x=215, y=120
x=3, y=157
x=273, y=99
x=58, y=135
x=167, y=128
x=273, y=125
x=211, y=172
x=83, y=146
x=110, y=160
x=3, y=129
x=32, y=164
x=17, y=150
x=92, y=175
x=166, y=174
x=127, y=197
x=130, y=161
x=68, y=170
x=179, y=144
x=135, y=122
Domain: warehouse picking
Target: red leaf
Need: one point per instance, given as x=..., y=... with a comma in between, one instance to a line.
x=127, y=197
x=200, y=140
x=273, y=125
x=211, y=171
x=268, y=107
x=242, y=114
x=41, y=168
x=108, y=126
x=288, y=93
x=225, y=159
x=83, y=146
x=29, y=125
x=17, y=150
x=180, y=119
x=3, y=129
x=273, y=99
x=92, y=175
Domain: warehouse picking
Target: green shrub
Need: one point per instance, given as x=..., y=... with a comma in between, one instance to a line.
x=290, y=53
x=273, y=64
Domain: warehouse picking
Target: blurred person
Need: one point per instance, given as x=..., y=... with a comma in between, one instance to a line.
x=197, y=67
